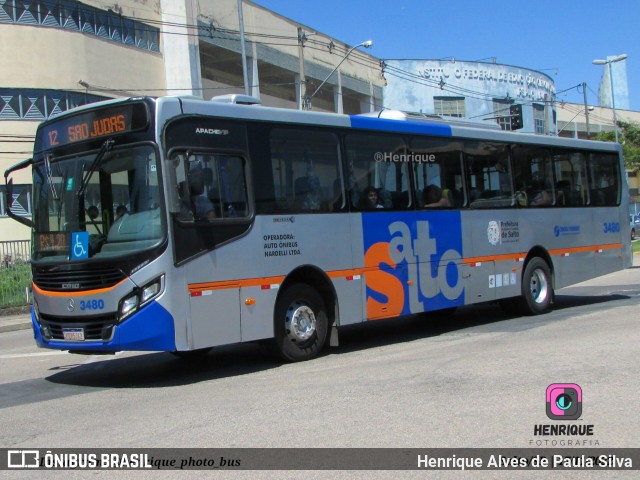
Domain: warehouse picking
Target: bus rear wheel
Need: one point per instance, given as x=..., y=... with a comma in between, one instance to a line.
x=301, y=323
x=537, y=289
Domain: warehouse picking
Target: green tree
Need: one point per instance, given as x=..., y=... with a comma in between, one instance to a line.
x=629, y=136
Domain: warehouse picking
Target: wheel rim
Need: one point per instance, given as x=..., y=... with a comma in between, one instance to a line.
x=539, y=286
x=300, y=323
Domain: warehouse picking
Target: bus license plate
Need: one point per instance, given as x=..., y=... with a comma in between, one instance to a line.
x=75, y=334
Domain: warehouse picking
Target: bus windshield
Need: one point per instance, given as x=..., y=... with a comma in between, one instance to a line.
x=96, y=204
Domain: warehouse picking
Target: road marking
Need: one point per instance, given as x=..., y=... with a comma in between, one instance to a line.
x=90, y=359
x=26, y=355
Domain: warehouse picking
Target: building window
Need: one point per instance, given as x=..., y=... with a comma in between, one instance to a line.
x=81, y=18
x=538, y=118
x=502, y=113
x=449, y=106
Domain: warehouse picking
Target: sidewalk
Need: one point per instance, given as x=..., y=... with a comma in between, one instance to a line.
x=11, y=323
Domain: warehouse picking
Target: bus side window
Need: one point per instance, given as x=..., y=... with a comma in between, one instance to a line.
x=604, y=180
x=208, y=186
x=570, y=174
x=534, y=176
x=378, y=163
x=437, y=173
x=489, y=172
x=305, y=170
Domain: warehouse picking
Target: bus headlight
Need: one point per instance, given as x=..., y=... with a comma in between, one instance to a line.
x=128, y=305
x=140, y=297
x=150, y=291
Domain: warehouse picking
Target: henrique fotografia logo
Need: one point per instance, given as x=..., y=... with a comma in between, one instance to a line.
x=564, y=401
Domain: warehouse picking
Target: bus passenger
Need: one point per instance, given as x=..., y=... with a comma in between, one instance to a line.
x=434, y=198
x=93, y=213
x=370, y=199
x=121, y=211
x=539, y=194
x=541, y=198
x=203, y=207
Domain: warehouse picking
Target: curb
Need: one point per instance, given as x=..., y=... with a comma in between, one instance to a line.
x=15, y=327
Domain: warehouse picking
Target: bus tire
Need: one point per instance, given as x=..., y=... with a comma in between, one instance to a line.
x=537, y=289
x=300, y=323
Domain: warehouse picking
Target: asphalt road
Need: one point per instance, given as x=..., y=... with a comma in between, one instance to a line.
x=476, y=379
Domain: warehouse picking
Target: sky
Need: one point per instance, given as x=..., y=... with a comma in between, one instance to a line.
x=560, y=38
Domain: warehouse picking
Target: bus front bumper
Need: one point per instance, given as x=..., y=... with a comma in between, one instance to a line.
x=149, y=329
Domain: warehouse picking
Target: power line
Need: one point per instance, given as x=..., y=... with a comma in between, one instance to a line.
x=359, y=58
x=17, y=138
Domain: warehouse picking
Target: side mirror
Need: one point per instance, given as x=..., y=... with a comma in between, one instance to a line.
x=9, y=192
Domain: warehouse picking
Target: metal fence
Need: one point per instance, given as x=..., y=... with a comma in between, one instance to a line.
x=15, y=273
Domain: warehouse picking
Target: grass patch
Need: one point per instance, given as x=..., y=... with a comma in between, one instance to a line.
x=14, y=279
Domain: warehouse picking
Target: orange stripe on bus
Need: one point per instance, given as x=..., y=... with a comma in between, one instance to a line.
x=256, y=282
x=248, y=282
x=347, y=273
x=593, y=248
x=195, y=288
x=495, y=258
x=75, y=294
x=559, y=251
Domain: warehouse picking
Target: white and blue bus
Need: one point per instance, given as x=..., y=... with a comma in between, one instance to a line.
x=175, y=224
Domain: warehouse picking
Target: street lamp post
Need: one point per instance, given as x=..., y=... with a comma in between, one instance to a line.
x=307, y=102
x=609, y=61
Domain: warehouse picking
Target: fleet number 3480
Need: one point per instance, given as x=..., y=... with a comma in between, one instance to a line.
x=92, y=305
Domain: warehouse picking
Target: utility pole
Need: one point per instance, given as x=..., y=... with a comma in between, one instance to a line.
x=586, y=107
x=303, y=81
x=546, y=114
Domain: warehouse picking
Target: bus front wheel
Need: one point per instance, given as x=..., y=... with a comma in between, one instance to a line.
x=537, y=289
x=301, y=323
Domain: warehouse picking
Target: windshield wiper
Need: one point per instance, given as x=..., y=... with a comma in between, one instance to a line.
x=106, y=146
x=47, y=168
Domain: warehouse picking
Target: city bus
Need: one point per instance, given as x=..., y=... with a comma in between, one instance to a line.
x=179, y=224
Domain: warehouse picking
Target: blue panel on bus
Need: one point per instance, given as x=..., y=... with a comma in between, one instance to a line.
x=413, y=262
x=400, y=126
x=150, y=329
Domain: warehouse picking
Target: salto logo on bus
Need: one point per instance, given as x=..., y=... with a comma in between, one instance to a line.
x=413, y=262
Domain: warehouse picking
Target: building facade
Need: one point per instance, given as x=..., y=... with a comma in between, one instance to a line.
x=618, y=78
x=58, y=54
x=474, y=90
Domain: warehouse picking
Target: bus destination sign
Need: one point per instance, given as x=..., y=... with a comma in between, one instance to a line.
x=94, y=125
x=53, y=242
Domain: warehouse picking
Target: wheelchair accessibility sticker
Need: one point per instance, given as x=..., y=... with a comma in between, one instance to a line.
x=79, y=245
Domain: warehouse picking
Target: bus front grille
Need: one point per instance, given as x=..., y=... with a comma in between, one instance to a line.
x=60, y=280
x=93, y=328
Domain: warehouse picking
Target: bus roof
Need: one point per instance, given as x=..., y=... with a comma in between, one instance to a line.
x=388, y=121
x=385, y=121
